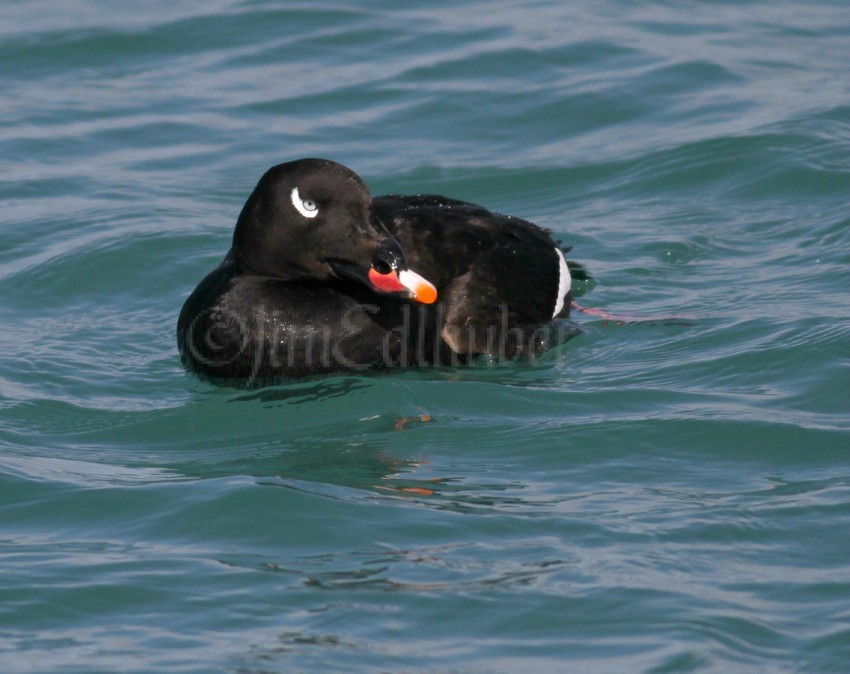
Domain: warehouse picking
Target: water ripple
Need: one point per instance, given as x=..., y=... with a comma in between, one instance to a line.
x=664, y=493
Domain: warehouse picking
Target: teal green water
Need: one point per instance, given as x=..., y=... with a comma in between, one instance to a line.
x=652, y=497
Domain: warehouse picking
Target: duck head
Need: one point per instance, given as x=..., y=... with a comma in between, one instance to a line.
x=313, y=219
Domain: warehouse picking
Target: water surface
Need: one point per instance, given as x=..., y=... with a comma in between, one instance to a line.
x=661, y=496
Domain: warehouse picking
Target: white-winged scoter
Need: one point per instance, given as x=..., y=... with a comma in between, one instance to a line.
x=323, y=278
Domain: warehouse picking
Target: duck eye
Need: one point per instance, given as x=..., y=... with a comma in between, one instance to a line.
x=306, y=207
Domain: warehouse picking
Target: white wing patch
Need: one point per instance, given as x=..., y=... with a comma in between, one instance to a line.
x=564, y=282
x=306, y=207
